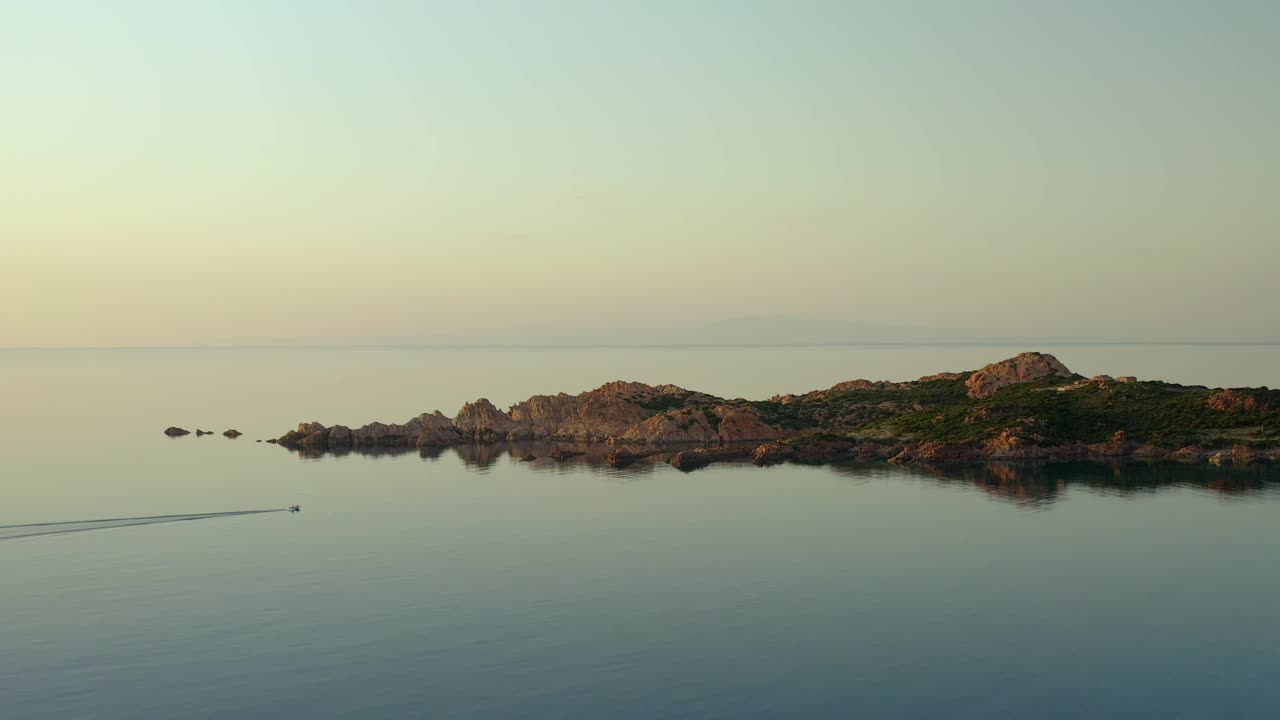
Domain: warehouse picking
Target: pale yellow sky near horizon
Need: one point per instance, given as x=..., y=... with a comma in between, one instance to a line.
x=200, y=173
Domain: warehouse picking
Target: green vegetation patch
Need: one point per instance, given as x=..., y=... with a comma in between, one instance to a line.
x=1154, y=412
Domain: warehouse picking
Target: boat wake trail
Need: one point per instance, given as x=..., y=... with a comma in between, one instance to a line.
x=14, y=532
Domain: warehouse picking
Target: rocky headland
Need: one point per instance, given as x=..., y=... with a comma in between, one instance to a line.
x=1025, y=408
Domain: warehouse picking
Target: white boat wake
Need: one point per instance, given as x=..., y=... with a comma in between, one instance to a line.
x=15, y=532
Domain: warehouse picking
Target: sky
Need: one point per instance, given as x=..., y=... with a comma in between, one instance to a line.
x=270, y=172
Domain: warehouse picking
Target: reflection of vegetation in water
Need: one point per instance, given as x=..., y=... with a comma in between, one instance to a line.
x=1026, y=484
x=1041, y=484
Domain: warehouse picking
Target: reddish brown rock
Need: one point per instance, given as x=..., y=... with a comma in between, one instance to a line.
x=382, y=435
x=1117, y=446
x=672, y=426
x=772, y=453
x=294, y=438
x=1026, y=367
x=622, y=457
x=715, y=425
x=1014, y=443
x=852, y=385
x=434, y=430
x=744, y=425
x=1236, y=401
x=1149, y=452
x=314, y=436
x=482, y=421
x=875, y=451
x=339, y=438
x=1189, y=453
x=817, y=451
x=940, y=376
x=935, y=452
x=613, y=408
x=695, y=458
x=1243, y=455
x=541, y=415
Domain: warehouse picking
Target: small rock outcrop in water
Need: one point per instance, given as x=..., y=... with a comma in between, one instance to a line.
x=232, y=433
x=622, y=457
x=695, y=458
x=200, y=433
x=174, y=431
x=1028, y=407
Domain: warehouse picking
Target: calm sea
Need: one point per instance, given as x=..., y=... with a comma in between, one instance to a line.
x=469, y=585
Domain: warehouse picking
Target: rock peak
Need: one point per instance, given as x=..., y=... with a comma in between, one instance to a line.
x=1022, y=368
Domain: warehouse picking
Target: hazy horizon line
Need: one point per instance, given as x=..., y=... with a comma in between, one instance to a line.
x=998, y=342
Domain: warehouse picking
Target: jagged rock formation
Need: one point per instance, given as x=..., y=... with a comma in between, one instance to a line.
x=1028, y=407
x=1024, y=368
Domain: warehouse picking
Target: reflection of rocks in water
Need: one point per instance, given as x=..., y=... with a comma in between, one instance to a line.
x=1027, y=484
x=430, y=452
x=1031, y=484
x=480, y=456
x=311, y=453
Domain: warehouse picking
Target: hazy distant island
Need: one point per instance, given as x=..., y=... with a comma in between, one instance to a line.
x=1029, y=407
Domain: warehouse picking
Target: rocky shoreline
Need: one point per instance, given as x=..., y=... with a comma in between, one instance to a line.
x=1026, y=408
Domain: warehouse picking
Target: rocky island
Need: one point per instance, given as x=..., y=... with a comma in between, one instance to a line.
x=1028, y=407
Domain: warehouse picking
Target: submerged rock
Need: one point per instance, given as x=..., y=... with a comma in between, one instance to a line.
x=232, y=433
x=174, y=431
x=695, y=458
x=621, y=457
